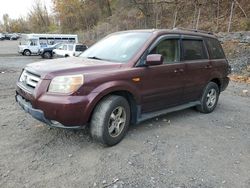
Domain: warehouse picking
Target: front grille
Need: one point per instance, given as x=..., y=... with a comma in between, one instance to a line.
x=29, y=80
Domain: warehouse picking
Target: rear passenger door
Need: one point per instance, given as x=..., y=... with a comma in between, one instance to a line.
x=198, y=67
x=217, y=57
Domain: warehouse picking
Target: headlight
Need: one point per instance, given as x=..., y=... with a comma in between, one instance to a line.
x=66, y=84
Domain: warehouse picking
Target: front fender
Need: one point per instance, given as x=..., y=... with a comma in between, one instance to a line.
x=109, y=87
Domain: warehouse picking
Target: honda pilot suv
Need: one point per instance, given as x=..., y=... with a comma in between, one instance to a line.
x=124, y=79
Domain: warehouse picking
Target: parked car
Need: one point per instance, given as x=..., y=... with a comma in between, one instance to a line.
x=2, y=36
x=47, y=52
x=69, y=50
x=11, y=36
x=126, y=78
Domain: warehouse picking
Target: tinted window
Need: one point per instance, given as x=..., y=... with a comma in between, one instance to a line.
x=214, y=49
x=169, y=49
x=80, y=48
x=193, y=50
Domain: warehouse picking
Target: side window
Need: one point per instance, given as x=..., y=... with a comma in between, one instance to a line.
x=193, y=49
x=33, y=43
x=169, y=49
x=70, y=47
x=214, y=48
x=65, y=47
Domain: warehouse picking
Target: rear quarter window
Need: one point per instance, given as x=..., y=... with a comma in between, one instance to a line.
x=80, y=48
x=193, y=49
x=214, y=49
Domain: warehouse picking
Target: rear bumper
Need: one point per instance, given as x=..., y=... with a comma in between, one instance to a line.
x=39, y=114
x=224, y=84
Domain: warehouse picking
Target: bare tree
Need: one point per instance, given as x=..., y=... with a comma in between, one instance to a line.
x=6, y=22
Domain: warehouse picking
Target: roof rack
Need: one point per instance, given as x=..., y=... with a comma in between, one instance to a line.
x=193, y=30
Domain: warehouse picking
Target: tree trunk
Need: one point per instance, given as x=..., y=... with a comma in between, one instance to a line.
x=175, y=18
x=218, y=14
x=105, y=8
x=198, y=18
x=230, y=18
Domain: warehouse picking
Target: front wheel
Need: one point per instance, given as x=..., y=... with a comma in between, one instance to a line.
x=110, y=120
x=209, y=98
x=27, y=52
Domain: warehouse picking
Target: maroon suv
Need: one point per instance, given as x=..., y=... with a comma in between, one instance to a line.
x=126, y=78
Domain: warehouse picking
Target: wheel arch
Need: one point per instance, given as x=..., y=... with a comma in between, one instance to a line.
x=25, y=50
x=217, y=81
x=128, y=95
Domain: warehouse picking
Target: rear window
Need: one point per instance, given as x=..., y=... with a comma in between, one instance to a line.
x=214, y=48
x=80, y=48
x=193, y=49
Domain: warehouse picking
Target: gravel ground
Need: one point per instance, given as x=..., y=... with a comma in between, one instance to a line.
x=181, y=149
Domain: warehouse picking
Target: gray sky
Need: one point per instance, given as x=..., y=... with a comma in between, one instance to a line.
x=17, y=8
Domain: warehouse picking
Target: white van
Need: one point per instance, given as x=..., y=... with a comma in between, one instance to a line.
x=32, y=43
x=69, y=50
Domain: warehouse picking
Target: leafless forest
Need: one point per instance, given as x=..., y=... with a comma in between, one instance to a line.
x=95, y=18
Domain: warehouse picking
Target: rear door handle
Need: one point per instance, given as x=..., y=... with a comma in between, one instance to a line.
x=208, y=66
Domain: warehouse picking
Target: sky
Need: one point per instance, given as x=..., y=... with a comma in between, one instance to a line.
x=17, y=8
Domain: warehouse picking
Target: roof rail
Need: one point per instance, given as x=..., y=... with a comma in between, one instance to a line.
x=193, y=30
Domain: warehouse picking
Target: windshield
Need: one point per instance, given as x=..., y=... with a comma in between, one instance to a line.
x=119, y=47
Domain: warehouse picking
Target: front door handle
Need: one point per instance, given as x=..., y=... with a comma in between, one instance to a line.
x=178, y=70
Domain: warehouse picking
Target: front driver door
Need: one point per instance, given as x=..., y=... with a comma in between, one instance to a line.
x=162, y=85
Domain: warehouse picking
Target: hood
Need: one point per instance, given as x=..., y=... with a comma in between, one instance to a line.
x=72, y=65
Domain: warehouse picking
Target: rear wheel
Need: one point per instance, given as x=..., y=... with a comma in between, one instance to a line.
x=27, y=52
x=209, y=98
x=110, y=120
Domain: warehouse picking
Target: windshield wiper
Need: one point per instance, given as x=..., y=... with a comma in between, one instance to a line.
x=94, y=57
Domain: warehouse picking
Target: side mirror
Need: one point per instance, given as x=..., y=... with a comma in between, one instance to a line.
x=154, y=59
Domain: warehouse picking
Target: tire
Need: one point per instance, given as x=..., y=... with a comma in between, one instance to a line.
x=110, y=120
x=27, y=53
x=47, y=55
x=209, y=98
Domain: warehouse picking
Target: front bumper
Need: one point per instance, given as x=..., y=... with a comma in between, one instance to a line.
x=20, y=51
x=39, y=114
